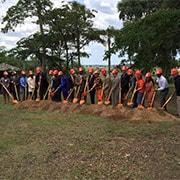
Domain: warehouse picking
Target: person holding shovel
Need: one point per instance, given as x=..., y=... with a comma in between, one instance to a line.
x=23, y=86
x=41, y=82
x=176, y=76
x=115, y=88
x=65, y=85
x=140, y=88
x=125, y=80
x=55, y=89
x=163, y=87
x=31, y=85
x=15, y=85
x=98, y=86
x=5, y=80
x=91, y=78
x=107, y=83
x=72, y=77
x=149, y=88
x=80, y=83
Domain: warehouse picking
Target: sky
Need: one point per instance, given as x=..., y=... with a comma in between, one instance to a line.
x=107, y=16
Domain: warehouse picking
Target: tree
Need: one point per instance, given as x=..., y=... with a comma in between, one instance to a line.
x=27, y=9
x=72, y=28
x=109, y=37
x=150, y=33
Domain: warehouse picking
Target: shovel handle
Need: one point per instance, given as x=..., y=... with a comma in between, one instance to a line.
x=142, y=101
x=133, y=94
x=70, y=94
x=15, y=88
x=168, y=100
x=7, y=91
x=153, y=99
x=110, y=93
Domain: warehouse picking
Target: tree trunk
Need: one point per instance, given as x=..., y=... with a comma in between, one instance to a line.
x=78, y=50
x=43, y=63
x=67, y=55
x=109, y=55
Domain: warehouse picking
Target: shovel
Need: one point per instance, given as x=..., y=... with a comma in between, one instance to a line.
x=132, y=97
x=47, y=92
x=75, y=100
x=102, y=93
x=66, y=101
x=152, y=101
x=10, y=95
x=25, y=89
x=15, y=88
x=38, y=91
x=82, y=101
x=141, y=106
x=120, y=105
x=54, y=92
x=107, y=102
x=168, y=100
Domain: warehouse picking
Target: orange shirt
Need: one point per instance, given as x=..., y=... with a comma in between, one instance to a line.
x=140, y=85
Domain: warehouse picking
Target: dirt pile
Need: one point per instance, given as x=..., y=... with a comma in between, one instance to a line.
x=123, y=113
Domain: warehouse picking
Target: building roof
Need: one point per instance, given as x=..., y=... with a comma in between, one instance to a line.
x=7, y=67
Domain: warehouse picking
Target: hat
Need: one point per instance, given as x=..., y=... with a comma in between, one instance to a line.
x=148, y=75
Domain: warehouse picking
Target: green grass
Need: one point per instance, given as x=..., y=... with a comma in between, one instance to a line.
x=41, y=145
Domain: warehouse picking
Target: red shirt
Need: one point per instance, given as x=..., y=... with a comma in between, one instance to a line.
x=140, y=85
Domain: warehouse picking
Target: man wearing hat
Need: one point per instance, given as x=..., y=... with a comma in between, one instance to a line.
x=163, y=87
x=115, y=88
x=31, y=84
x=23, y=86
x=107, y=83
x=80, y=83
x=176, y=76
x=14, y=85
x=98, y=86
x=6, y=83
x=91, y=78
x=125, y=80
x=41, y=82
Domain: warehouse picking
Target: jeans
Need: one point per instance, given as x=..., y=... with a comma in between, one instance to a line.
x=139, y=98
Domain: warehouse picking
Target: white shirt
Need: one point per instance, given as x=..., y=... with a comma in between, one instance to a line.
x=31, y=84
x=162, y=83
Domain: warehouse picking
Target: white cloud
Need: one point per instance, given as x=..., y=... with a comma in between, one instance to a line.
x=107, y=13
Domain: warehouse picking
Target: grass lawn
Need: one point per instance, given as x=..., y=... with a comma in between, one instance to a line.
x=37, y=144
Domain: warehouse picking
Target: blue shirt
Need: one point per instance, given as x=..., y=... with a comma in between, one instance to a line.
x=23, y=81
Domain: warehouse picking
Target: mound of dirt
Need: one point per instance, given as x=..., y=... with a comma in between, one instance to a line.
x=123, y=113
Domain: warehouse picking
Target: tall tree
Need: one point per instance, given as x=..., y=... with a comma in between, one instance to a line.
x=24, y=9
x=109, y=37
x=150, y=33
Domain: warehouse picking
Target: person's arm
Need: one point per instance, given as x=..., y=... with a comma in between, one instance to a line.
x=21, y=82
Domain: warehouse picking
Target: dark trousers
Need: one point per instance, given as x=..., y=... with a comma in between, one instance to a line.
x=92, y=97
x=162, y=95
x=57, y=97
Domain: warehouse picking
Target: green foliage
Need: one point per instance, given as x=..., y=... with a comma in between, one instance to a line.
x=64, y=31
x=151, y=33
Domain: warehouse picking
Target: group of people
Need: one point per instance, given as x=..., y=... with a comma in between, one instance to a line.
x=126, y=88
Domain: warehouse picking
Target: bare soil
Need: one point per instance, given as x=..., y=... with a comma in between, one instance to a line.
x=123, y=113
